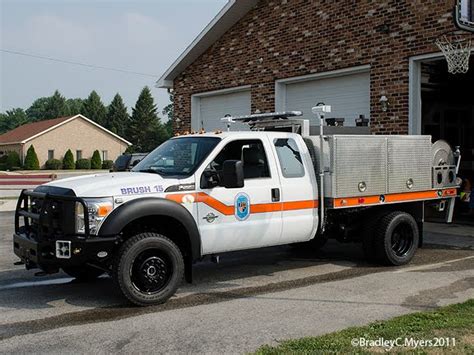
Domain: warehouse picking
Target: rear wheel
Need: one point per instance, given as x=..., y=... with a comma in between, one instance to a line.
x=396, y=238
x=83, y=272
x=148, y=269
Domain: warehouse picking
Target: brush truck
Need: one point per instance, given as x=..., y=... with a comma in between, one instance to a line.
x=204, y=194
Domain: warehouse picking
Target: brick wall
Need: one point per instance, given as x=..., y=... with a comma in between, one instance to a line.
x=286, y=38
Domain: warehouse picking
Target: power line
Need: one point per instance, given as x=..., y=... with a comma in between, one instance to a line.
x=75, y=63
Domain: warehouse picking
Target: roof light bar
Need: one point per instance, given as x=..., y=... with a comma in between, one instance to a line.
x=262, y=116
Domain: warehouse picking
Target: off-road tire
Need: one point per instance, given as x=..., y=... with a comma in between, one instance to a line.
x=125, y=259
x=83, y=272
x=390, y=226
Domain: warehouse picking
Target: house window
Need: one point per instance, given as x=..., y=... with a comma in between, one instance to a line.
x=104, y=155
x=78, y=154
x=50, y=154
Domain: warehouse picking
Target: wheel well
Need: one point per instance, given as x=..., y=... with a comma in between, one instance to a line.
x=168, y=226
x=353, y=219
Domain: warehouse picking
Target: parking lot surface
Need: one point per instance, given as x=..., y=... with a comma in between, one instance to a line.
x=251, y=298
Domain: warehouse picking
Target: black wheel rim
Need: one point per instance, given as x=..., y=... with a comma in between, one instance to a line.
x=402, y=240
x=151, y=271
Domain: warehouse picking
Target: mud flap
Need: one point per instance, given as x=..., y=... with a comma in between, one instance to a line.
x=450, y=209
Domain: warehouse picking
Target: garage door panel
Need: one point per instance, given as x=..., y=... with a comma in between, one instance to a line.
x=213, y=108
x=349, y=96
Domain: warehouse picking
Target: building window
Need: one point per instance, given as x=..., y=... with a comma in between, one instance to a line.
x=50, y=154
x=78, y=154
x=104, y=155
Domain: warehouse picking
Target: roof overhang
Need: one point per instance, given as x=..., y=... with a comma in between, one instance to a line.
x=232, y=12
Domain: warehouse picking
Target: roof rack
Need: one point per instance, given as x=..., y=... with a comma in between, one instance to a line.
x=268, y=121
x=261, y=116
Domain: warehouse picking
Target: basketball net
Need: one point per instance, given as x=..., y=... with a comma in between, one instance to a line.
x=456, y=49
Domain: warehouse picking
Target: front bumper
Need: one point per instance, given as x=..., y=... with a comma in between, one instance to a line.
x=45, y=235
x=43, y=254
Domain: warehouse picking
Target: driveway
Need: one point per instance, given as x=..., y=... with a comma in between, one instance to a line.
x=251, y=298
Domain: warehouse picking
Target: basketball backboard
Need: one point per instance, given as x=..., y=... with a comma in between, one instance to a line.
x=464, y=15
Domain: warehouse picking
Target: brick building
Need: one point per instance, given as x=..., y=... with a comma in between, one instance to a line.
x=291, y=54
x=52, y=138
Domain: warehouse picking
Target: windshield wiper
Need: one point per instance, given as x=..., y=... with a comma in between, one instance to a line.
x=154, y=171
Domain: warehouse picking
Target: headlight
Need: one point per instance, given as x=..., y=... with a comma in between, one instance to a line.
x=97, y=210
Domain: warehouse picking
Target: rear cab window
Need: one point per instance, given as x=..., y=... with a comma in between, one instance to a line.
x=289, y=157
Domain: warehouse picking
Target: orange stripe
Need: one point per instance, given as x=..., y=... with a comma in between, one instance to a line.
x=257, y=208
x=391, y=198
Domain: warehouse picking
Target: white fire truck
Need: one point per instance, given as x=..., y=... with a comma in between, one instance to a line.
x=204, y=194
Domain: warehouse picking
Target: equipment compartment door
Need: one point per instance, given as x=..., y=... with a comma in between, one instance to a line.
x=242, y=218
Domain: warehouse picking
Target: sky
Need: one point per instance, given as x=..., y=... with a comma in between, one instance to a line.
x=143, y=36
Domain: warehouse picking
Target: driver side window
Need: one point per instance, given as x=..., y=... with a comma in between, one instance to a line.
x=252, y=154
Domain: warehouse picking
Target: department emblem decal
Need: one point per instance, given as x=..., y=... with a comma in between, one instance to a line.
x=242, y=206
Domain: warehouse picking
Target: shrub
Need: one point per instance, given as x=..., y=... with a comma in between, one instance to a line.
x=83, y=164
x=96, y=162
x=68, y=161
x=12, y=161
x=31, y=159
x=107, y=164
x=3, y=162
x=53, y=164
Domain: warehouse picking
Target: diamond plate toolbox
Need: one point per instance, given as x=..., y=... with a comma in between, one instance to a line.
x=376, y=165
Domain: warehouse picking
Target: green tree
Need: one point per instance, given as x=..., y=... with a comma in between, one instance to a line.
x=12, y=119
x=46, y=108
x=96, y=161
x=117, y=116
x=13, y=160
x=75, y=106
x=31, y=159
x=168, y=110
x=168, y=128
x=94, y=109
x=146, y=131
x=68, y=161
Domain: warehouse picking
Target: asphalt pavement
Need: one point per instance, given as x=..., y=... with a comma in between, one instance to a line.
x=249, y=299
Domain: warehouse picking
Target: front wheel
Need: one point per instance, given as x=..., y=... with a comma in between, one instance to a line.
x=148, y=269
x=396, y=238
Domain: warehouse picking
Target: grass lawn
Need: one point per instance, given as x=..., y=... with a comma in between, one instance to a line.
x=451, y=322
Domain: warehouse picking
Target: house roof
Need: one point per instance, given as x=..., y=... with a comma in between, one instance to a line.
x=26, y=132
x=232, y=12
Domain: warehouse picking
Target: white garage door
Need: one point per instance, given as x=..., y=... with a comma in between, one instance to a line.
x=212, y=108
x=349, y=96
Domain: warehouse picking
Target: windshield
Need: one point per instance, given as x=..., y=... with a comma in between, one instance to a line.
x=178, y=156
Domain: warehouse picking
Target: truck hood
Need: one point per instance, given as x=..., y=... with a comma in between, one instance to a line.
x=115, y=184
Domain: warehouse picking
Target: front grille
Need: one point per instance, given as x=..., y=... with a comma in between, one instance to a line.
x=44, y=216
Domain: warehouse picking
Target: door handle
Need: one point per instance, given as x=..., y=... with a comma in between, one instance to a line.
x=275, y=195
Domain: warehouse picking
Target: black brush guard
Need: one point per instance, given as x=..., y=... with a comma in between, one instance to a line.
x=41, y=219
x=46, y=216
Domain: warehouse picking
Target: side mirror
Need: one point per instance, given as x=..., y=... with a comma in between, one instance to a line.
x=209, y=179
x=135, y=162
x=232, y=174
